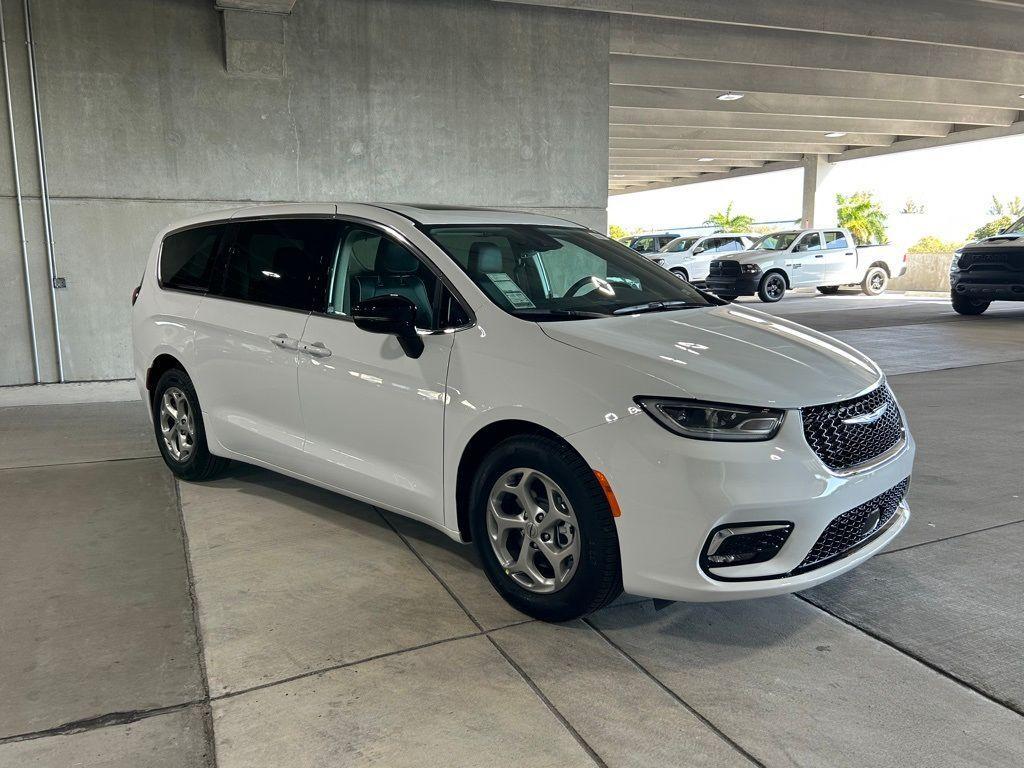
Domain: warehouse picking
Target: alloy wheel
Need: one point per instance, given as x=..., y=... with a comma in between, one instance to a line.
x=177, y=424
x=533, y=530
x=774, y=287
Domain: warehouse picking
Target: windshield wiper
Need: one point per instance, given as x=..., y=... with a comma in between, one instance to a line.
x=558, y=314
x=658, y=306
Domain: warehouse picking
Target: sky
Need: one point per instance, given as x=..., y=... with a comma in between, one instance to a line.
x=954, y=183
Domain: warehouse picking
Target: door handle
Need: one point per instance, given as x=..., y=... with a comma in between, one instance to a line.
x=848, y=253
x=284, y=341
x=316, y=349
x=819, y=255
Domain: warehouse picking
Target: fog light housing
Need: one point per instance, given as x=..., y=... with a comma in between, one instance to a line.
x=744, y=544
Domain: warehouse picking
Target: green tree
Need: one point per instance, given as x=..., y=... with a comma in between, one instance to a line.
x=933, y=244
x=1004, y=211
x=615, y=231
x=863, y=216
x=727, y=221
x=912, y=206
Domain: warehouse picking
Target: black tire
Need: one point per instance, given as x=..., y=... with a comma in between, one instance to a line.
x=680, y=273
x=598, y=576
x=965, y=306
x=828, y=290
x=199, y=464
x=875, y=282
x=772, y=287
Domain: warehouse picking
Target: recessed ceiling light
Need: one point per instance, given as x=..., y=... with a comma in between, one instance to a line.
x=730, y=96
x=835, y=134
x=705, y=159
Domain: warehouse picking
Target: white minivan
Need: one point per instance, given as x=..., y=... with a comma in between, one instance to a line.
x=589, y=421
x=690, y=256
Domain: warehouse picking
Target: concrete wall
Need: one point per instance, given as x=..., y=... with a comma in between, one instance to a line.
x=925, y=272
x=455, y=101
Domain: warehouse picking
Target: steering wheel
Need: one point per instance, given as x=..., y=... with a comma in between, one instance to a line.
x=575, y=287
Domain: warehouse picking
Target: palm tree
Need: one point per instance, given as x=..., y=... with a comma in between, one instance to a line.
x=1012, y=208
x=725, y=221
x=863, y=216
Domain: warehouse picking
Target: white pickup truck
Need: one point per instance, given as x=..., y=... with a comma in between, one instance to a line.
x=826, y=259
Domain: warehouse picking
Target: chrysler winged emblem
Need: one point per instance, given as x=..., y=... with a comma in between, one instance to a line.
x=868, y=418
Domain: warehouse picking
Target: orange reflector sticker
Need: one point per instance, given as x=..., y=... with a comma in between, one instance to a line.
x=608, y=494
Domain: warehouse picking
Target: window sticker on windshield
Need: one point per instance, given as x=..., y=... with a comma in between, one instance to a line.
x=511, y=291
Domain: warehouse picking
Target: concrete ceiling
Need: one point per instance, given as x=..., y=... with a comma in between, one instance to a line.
x=889, y=76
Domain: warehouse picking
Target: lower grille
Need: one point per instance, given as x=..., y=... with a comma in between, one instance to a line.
x=853, y=528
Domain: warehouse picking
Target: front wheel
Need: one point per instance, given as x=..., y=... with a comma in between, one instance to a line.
x=544, y=530
x=180, y=431
x=966, y=306
x=772, y=288
x=828, y=290
x=875, y=281
x=680, y=273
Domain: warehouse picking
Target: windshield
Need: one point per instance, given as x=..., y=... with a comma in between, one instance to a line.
x=561, y=273
x=1017, y=226
x=679, y=244
x=777, y=241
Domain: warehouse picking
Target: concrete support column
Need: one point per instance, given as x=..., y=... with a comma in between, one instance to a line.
x=818, y=206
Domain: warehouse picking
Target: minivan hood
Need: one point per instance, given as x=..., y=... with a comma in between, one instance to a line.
x=726, y=354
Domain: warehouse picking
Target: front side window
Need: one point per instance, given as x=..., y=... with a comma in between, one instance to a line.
x=809, y=242
x=835, y=241
x=644, y=245
x=368, y=264
x=186, y=258
x=777, y=241
x=559, y=273
x=679, y=245
x=278, y=261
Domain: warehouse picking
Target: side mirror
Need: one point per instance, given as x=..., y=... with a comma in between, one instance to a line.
x=391, y=315
x=699, y=249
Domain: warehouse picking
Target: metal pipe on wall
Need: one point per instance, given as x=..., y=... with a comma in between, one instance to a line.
x=44, y=191
x=17, y=194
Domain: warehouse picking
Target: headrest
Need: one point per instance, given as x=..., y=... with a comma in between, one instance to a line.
x=395, y=259
x=287, y=259
x=484, y=257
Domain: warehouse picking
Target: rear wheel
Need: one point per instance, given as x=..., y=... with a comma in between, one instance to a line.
x=966, y=306
x=544, y=530
x=828, y=290
x=875, y=281
x=772, y=288
x=179, y=428
x=680, y=273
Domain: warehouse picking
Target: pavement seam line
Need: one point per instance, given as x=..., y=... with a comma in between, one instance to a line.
x=208, y=733
x=80, y=463
x=675, y=696
x=947, y=538
x=911, y=655
x=99, y=721
x=508, y=659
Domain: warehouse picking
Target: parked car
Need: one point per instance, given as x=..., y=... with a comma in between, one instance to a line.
x=587, y=420
x=651, y=243
x=690, y=256
x=823, y=258
x=988, y=270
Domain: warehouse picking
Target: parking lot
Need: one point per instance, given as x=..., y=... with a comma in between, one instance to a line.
x=258, y=621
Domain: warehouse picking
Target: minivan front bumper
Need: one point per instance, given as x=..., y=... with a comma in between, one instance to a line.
x=674, y=492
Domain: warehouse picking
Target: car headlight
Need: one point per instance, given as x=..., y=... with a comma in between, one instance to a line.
x=954, y=265
x=713, y=421
x=750, y=269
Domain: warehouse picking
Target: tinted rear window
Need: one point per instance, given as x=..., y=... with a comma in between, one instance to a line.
x=186, y=258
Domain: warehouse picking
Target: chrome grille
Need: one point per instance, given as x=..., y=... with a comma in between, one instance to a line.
x=833, y=431
x=853, y=528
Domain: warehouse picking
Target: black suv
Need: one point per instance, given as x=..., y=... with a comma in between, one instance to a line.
x=988, y=270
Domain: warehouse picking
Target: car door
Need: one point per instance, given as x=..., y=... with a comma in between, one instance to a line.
x=840, y=259
x=374, y=416
x=247, y=334
x=807, y=263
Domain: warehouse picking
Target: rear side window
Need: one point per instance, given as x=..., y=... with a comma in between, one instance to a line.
x=279, y=262
x=186, y=258
x=835, y=241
